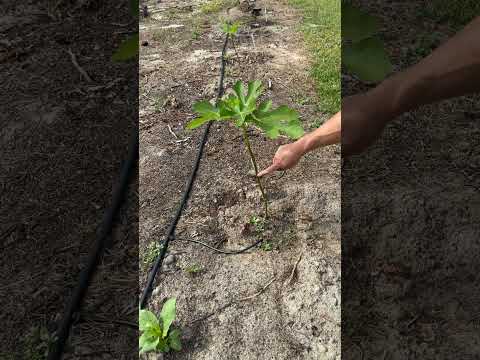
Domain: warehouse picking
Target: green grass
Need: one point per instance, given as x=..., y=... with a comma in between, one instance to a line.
x=193, y=269
x=322, y=29
x=214, y=6
x=456, y=12
x=150, y=254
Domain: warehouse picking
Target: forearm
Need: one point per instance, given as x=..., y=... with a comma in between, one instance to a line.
x=451, y=70
x=327, y=134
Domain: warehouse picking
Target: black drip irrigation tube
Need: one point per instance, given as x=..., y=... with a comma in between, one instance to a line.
x=171, y=230
x=104, y=231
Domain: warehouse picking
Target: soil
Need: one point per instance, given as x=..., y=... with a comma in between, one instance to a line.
x=410, y=225
x=63, y=139
x=292, y=310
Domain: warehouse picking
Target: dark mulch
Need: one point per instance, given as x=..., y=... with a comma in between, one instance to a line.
x=63, y=140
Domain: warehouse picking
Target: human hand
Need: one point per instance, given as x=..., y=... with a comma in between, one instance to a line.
x=286, y=157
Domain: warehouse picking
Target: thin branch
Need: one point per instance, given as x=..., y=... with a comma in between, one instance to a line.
x=290, y=278
x=78, y=67
x=259, y=292
x=171, y=131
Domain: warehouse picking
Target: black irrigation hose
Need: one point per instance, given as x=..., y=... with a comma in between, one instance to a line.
x=171, y=230
x=226, y=252
x=95, y=255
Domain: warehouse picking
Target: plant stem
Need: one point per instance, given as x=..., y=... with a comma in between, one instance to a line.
x=254, y=162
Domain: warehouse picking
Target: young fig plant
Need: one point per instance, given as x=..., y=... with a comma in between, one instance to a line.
x=242, y=109
x=230, y=28
x=157, y=334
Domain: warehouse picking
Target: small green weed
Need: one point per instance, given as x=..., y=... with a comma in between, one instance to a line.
x=215, y=6
x=157, y=335
x=151, y=252
x=258, y=223
x=159, y=104
x=195, y=34
x=37, y=343
x=193, y=269
x=266, y=246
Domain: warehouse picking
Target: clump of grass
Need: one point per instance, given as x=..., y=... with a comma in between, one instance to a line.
x=258, y=223
x=193, y=269
x=457, y=13
x=37, y=343
x=215, y=6
x=266, y=246
x=322, y=29
x=151, y=252
x=159, y=104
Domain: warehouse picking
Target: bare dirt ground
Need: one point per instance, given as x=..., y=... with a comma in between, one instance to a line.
x=297, y=316
x=410, y=220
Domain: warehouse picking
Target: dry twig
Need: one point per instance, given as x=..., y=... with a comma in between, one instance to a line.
x=78, y=67
x=292, y=274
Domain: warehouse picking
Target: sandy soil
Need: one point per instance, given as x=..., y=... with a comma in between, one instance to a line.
x=297, y=316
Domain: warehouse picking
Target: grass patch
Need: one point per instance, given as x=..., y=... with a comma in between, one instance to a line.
x=322, y=29
x=193, y=269
x=215, y=6
x=150, y=254
x=456, y=12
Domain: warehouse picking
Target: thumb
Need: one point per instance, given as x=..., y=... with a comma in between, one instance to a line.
x=269, y=170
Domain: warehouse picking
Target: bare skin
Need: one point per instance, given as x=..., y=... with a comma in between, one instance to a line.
x=451, y=70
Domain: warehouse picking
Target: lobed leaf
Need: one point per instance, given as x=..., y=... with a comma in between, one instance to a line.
x=147, y=320
x=163, y=346
x=255, y=89
x=367, y=59
x=282, y=120
x=241, y=108
x=168, y=315
x=239, y=89
x=265, y=106
x=357, y=25
x=206, y=112
x=134, y=7
x=127, y=50
x=147, y=343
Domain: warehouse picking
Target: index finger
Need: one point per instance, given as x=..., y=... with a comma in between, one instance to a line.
x=269, y=170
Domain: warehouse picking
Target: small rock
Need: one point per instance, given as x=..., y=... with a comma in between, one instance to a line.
x=156, y=291
x=145, y=43
x=252, y=173
x=169, y=260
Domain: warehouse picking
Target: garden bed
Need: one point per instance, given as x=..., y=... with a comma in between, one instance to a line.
x=282, y=299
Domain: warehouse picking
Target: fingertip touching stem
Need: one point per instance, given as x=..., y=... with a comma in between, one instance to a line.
x=246, y=140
